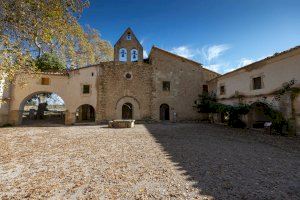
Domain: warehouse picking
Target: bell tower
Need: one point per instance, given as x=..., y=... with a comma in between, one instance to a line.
x=128, y=48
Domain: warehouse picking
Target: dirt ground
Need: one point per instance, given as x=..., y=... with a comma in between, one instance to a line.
x=153, y=161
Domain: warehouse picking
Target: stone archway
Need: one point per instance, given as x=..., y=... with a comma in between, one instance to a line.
x=164, y=112
x=130, y=105
x=85, y=113
x=41, y=108
x=256, y=115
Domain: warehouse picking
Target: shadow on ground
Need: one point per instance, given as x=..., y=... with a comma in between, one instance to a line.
x=231, y=163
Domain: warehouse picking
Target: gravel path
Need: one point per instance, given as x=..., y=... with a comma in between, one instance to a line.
x=154, y=161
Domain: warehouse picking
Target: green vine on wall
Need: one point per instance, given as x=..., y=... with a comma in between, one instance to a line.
x=207, y=103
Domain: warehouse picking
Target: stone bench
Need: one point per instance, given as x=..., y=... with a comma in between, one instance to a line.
x=121, y=124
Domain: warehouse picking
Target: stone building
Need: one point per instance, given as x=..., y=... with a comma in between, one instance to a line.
x=258, y=84
x=161, y=87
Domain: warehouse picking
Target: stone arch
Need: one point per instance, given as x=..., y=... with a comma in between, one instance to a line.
x=256, y=115
x=85, y=113
x=164, y=112
x=17, y=116
x=129, y=100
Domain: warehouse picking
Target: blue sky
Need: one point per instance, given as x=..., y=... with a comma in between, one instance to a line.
x=220, y=34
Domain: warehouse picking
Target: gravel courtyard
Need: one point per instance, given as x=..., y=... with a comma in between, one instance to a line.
x=153, y=161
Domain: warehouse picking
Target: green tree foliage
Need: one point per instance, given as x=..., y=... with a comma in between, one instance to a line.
x=49, y=62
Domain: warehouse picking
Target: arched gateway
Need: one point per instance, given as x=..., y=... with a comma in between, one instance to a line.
x=42, y=108
x=85, y=113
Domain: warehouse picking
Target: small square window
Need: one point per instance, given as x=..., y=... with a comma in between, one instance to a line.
x=166, y=85
x=222, y=89
x=257, y=83
x=205, y=88
x=45, y=81
x=86, y=89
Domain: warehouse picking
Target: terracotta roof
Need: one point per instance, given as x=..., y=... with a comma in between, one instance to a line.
x=58, y=73
x=175, y=55
x=88, y=66
x=211, y=71
x=260, y=61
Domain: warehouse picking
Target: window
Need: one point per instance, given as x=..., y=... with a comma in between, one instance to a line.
x=45, y=81
x=166, y=85
x=134, y=55
x=128, y=37
x=205, y=88
x=128, y=76
x=257, y=83
x=86, y=89
x=123, y=55
x=222, y=89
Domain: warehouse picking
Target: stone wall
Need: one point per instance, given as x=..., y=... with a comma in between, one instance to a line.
x=68, y=87
x=296, y=106
x=120, y=83
x=4, y=101
x=128, y=45
x=186, y=80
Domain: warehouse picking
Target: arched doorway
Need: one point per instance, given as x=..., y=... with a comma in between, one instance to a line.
x=257, y=115
x=127, y=107
x=127, y=111
x=164, y=112
x=42, y=108
x=85, y=113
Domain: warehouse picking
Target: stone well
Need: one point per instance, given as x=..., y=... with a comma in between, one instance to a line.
x=121, y=124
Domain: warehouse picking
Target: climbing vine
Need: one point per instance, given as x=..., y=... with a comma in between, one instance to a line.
x=207, y=103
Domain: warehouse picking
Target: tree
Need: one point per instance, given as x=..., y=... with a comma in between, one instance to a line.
x=29, y=28
x=103, y=50
x=50, y=62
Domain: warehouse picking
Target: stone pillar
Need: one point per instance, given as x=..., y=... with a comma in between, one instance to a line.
x=98, y=118
x=285, y=105
x=15, y=117
x=298, y=124
x=70, y=118
x=247, y=119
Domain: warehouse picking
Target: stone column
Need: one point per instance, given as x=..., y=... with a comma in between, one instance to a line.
x=15, y=117
x=70, y=118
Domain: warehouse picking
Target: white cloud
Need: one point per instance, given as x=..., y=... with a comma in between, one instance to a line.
x=145, y=54
x=212, y=52
x=208, y=55
x=214, y=67
x=245, y=61
x=184, y=51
